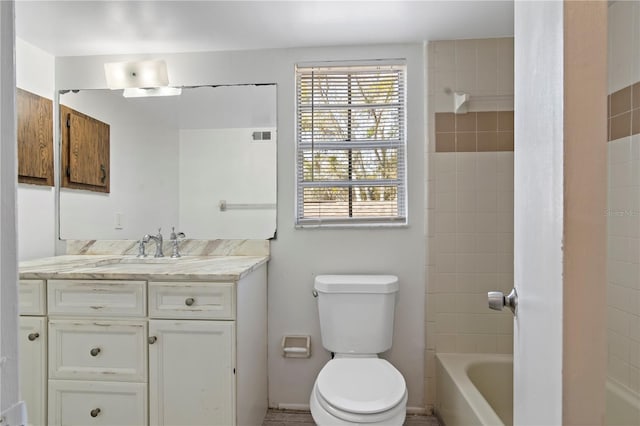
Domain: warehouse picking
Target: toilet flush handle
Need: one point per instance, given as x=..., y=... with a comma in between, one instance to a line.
x=314, y=293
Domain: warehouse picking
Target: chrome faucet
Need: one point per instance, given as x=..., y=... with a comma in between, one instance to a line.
x=175, y=239
x=158, y=240
x=144, y=240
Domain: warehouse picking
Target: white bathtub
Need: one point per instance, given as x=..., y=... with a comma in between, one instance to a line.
x=477, y=389
x=474, y=389
x=623, y=405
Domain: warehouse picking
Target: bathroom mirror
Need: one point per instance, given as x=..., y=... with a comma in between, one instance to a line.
x=203, y=162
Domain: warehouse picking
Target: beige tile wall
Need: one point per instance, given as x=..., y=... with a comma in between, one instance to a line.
x=469, y=199
x=623, y=212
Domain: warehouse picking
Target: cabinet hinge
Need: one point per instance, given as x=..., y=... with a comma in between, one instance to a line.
x=234, y=371
x=68, y=171
x=68, y=121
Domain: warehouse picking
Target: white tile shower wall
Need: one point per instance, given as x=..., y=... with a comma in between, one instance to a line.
x=472, y=247
x=623, y=208
x=483, y=68
x=469, y=213
x=623, y=256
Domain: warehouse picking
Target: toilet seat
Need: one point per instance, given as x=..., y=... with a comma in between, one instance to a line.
x=361, y=389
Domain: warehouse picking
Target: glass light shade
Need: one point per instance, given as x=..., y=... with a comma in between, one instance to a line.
x=134, y=92
x=140, y=74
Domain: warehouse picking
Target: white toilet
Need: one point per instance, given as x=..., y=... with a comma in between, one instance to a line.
x=356, y=323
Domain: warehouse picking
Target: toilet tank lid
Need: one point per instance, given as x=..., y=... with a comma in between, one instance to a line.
x=356, y=283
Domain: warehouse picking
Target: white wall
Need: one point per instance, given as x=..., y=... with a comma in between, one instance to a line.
x=36, y=204
x=300, y=254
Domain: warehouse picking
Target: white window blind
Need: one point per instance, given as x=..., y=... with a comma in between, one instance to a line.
x=351, y=145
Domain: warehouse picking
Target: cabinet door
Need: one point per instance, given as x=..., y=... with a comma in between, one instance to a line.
x=191, y=372
x=33, y=372
x=85, y=151
x=35, y=138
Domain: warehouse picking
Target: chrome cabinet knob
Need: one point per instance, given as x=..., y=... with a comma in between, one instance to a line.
x=497, y=300
x=33, y=336
x=189, y=301
x=94, y=351
x=152, y=339
x=94, y=412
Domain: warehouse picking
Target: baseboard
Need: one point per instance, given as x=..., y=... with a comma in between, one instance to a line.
x=294, y=407
x=417, y=410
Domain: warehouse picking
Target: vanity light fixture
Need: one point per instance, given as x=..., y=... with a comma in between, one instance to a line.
x=134, y=92
x=138, y=74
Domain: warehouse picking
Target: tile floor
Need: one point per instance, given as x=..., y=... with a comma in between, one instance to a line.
x=292, y=418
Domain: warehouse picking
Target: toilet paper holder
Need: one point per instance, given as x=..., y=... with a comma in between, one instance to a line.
x=296, y=346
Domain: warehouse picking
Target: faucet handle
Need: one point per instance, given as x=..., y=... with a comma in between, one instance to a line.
x=175, y=235
x=176, y=243
x=141, y=243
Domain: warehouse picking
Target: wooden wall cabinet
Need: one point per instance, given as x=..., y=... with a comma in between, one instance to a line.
x=85, y=151
x=35, y=138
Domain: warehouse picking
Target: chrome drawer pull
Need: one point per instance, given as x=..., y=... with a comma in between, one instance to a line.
x=189, y=301
x=95, y=352
x=95, y=412
x=33, y=336
x=152, y=339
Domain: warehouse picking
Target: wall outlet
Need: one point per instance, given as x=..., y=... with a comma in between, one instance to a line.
x=118, y=221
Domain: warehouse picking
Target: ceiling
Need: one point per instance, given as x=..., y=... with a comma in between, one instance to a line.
x=78, y=28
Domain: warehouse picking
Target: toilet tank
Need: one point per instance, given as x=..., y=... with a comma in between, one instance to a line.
x=356, y=312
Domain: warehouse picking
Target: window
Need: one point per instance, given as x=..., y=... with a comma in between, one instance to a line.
x=351, y=145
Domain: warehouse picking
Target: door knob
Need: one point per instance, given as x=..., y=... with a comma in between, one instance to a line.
x=497, y=300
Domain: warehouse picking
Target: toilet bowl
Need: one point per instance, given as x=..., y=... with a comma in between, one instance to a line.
x=359, y=390
x=356, y=323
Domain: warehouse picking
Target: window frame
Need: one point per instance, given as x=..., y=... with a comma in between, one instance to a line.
x=399, y=220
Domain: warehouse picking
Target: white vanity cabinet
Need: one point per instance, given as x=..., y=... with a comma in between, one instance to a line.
x=97, y=358
x=191, y=325
x=33, y=349
x=146, y=350
x=207, y=352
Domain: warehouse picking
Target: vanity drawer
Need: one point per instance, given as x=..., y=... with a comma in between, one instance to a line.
x=191, y=300
x=78, y=403
x=98, y=350
x=31, y=297
x=96, y=298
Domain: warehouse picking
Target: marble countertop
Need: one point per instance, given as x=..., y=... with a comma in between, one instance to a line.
x=129, y=267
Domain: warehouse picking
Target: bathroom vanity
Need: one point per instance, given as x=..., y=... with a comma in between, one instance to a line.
x=113, y=339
